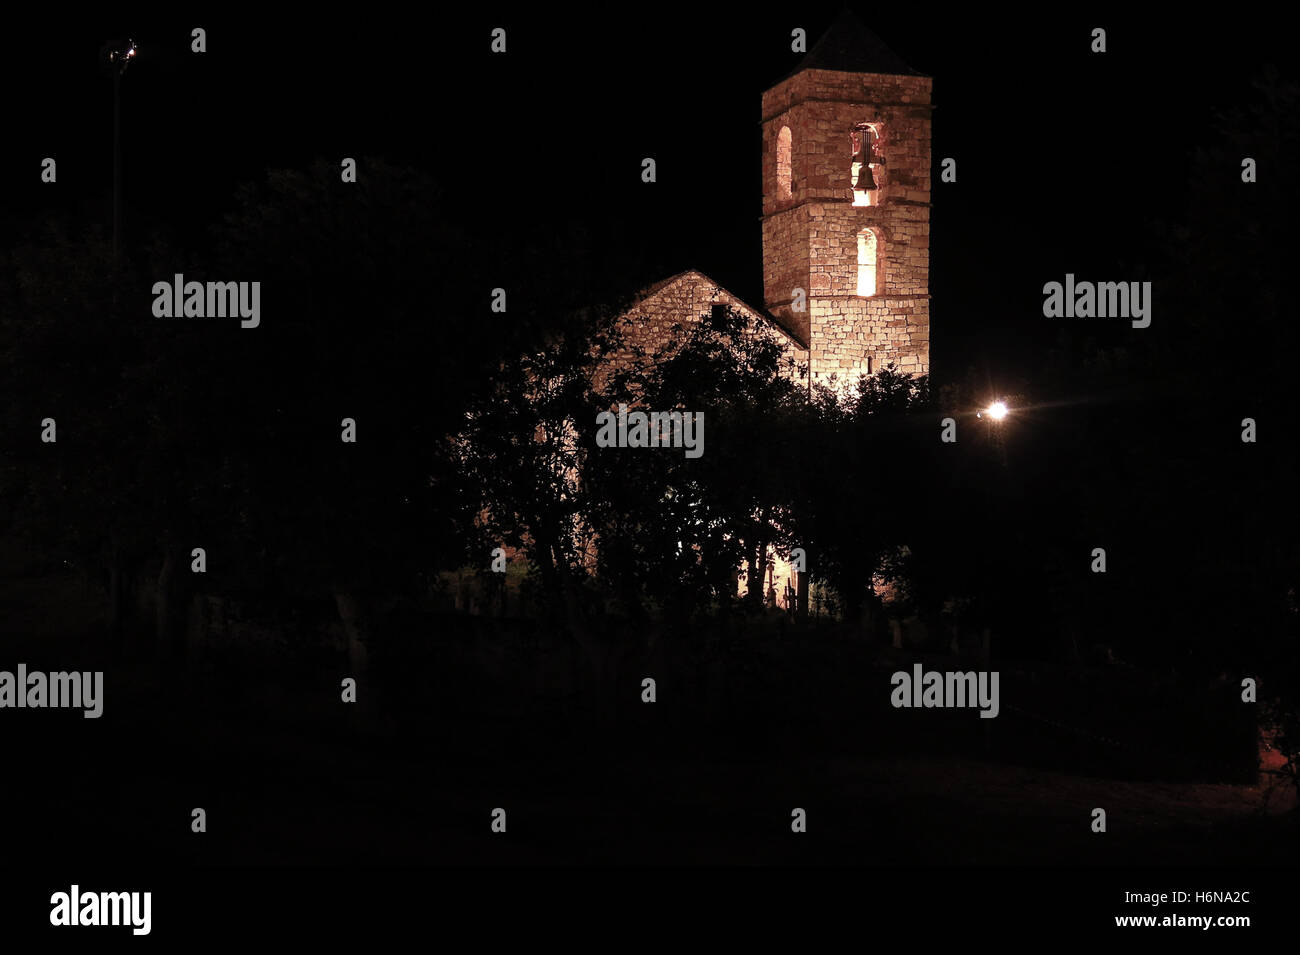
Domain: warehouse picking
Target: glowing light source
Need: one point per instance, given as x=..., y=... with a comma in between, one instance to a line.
x=997, y=411
x=867, y=260
x=119, y=54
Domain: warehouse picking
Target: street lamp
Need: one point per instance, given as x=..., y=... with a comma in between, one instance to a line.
x=116, y=56
x=119, y=55
x=997, y=411
x=995, y=414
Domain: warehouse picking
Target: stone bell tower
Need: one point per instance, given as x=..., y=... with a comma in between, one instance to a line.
x=846, y=206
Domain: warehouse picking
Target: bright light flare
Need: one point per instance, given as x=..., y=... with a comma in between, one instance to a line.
x=997, y=411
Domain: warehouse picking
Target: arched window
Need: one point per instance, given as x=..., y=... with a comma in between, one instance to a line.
x=783, y=168
x=868, y=260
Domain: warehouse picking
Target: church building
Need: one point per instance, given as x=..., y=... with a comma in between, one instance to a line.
x=846, y=218
x=846, y=230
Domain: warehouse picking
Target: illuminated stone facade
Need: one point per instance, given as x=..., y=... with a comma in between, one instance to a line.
x=846, y=271
x=820, y=241
x=651, y=325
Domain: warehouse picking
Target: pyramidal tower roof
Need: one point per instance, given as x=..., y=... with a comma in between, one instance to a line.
x=849, y=46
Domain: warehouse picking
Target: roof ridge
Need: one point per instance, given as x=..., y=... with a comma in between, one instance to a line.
x=849, y=46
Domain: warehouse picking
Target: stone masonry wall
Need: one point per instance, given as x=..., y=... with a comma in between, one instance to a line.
x=650, y=324
x=810, y=239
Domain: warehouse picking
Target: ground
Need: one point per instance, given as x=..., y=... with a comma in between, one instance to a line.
x=288, y=774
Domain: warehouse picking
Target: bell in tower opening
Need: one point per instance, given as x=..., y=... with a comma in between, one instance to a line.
x=865, y=139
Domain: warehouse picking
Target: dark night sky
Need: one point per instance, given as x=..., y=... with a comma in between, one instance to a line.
x=1063, y=154
x=1065, y=159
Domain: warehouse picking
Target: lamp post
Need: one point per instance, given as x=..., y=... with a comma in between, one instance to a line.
x=117, y=56
x=995, y=414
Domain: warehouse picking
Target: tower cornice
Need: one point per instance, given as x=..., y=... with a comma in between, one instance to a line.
x=892, y=104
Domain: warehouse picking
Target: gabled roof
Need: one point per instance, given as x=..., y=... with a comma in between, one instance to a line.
x=662, y=284
x=850, y=47
x=775, y=323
